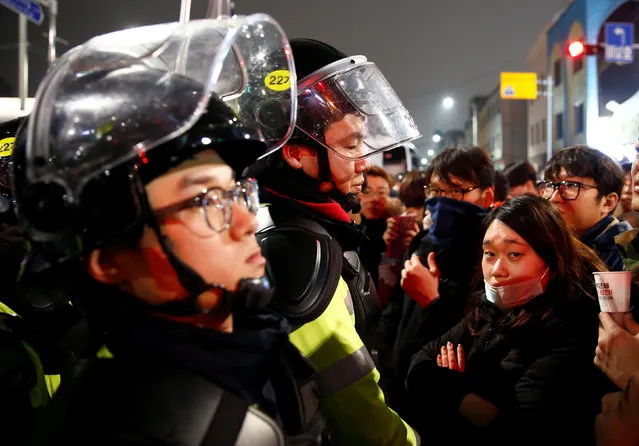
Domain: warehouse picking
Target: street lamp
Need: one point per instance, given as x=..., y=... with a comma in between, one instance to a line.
x=448, y=102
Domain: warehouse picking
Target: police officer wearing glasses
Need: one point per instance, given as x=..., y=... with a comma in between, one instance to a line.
x=585, y=186
x=127, y=184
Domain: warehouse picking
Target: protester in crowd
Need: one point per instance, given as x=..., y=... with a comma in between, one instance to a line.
x=522, y=178
x=501, y=187
x=459, y=193
x=585, y=184
x=400, y=232
x=628, y=242
x=519, y=364
x=459, y=190
x=625, y=199
x=617, y=353
x=374, y=199
x=617, y=425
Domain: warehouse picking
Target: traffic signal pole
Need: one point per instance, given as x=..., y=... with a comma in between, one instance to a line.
x=548, y=83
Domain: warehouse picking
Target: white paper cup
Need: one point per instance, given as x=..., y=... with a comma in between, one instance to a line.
x=613, y=290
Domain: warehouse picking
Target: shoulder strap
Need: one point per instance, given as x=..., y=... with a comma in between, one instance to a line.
x=295, y=383
x=363, y=295
x=304, y=262
x=152, y=403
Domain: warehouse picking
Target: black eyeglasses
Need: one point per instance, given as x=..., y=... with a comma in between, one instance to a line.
x=378, y=193
x=568, y=190
x=456, y=193
x=217, y=204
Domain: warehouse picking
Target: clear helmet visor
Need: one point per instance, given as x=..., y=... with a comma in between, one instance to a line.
x=350, y=108
x=121, y=94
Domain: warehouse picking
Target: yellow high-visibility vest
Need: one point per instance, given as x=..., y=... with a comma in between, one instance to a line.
x=352, y=400
x=46, y=385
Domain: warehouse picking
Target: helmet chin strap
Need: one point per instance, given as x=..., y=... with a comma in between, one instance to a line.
x=349, y=202
x=251, y=294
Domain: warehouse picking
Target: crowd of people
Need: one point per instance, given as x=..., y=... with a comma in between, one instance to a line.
x=197, y=250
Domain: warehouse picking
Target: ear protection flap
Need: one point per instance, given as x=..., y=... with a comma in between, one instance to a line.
x=272, y=115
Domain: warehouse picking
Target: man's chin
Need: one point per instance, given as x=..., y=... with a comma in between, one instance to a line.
x=255, y=272
x=376, y=216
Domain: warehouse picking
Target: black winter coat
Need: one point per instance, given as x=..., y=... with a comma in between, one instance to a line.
x=455, y=237
x=540, y=376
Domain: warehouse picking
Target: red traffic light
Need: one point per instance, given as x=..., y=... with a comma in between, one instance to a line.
x=576, y=48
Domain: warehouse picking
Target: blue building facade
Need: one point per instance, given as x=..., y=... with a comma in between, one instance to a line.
x=584, y=19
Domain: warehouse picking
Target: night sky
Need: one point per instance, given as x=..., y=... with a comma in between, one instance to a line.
x=428, y=49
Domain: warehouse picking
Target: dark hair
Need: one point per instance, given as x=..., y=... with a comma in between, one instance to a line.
x=571, y=263
x=411, y=189
x=468, y=163
x=520, y=173
x=582, y=161
x=501, y=186
x=379, y=172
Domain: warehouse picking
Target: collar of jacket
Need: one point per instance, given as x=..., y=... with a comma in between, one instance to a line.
x=603, y=233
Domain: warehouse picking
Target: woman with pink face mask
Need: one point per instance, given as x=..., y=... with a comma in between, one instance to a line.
x=518, y=368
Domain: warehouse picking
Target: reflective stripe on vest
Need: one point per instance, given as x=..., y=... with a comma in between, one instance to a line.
x=46, y=385
x=344, y=368
x=344, y=372
x=348, y=300
x=5, y=309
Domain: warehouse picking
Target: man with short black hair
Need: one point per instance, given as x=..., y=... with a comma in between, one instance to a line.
x=459, y=192
x=522, y=178
x=464, y=174
x=377, y=188
x=374, y=199
x=585, y=185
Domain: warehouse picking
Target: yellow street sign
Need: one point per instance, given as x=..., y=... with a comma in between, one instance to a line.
x=518, y=86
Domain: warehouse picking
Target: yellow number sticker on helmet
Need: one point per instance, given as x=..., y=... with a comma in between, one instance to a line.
x=6, y=147
x=278, y=80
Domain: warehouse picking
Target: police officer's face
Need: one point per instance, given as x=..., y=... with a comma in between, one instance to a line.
x=218, y=257
x=346, y=138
